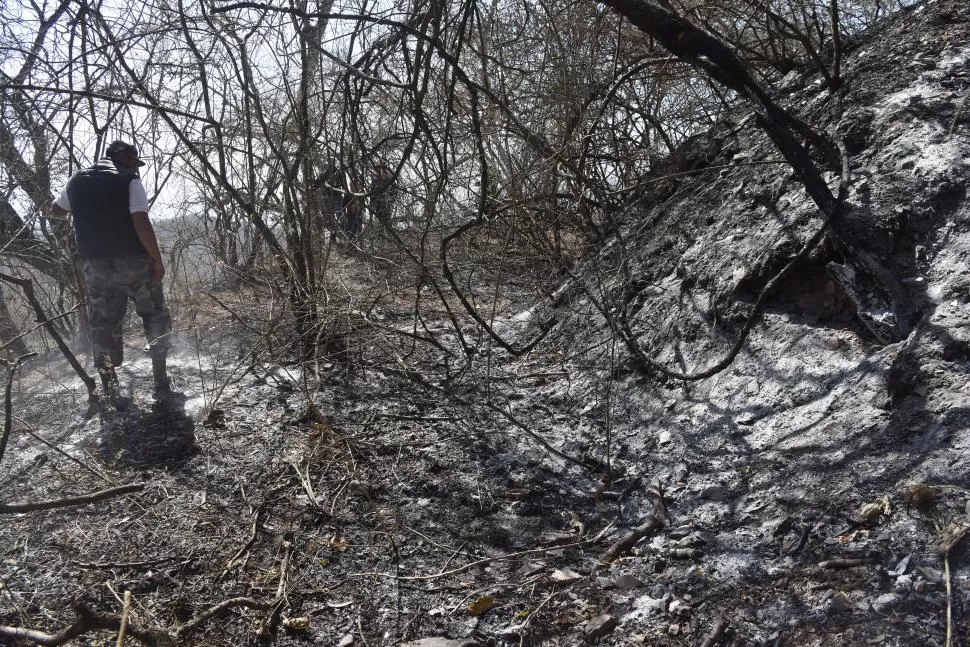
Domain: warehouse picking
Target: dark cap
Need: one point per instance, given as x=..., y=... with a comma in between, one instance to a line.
x=118, y=146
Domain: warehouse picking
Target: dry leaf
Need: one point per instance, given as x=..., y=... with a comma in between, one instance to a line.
x=576, y=526
x=565, y=575
x=952, y=535
x=922, y=497
x=297, y=624
x=876, y=509
x=339, y=605
x=481, y=605
x=339, y=543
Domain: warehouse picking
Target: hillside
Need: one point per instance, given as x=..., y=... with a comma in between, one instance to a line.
x=807, y=494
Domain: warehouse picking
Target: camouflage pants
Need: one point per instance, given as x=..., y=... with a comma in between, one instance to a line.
x=109, y=283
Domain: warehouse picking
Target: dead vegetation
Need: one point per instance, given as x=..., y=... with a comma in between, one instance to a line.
x=460, y=462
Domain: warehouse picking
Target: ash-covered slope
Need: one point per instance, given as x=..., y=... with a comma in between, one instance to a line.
x=853, y=386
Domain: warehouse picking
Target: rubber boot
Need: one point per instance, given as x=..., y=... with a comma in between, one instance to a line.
x=160, y=373
x=109, y=380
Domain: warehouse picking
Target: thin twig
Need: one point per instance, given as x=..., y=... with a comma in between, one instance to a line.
x=360, y=630
x=125, y=612
x=40, y=324
x=232, y=563
x=949, y=600
x=106, y=566
x=850, y=562
x=956, y=117
x=657, y=520
x=489, y=560
x=30, y=431
x=247, y=603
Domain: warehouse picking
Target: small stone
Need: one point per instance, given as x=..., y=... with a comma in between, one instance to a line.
x=680, y=608
x=833, y=343
x=600, y=626
x=839, y=603
x=346, y=641
x=606, y=583
x=680, y=532
x=903, y=584
x=627, y=582
x=885, y=602
x=932, y=575
x=901, y=566
x=673, y=629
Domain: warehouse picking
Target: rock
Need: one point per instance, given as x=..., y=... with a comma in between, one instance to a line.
x=932, y=575
x=903, y=584
x=901, y=566
x=886, y=602
x=839, y=602
x=627, y=582
x=778, y=526
x=679, y=532
x=680, y=608
x=600, y=626
x=606, y=583
x=346, y=641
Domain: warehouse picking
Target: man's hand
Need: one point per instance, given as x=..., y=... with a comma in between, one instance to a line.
x=146, y=236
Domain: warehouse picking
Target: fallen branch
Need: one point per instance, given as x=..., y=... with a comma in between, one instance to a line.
x=28, y=287
x=268, y=625
x=247, y=603
x=657, y=520
x=8, y=402
x=88, y=620
x=84, y=499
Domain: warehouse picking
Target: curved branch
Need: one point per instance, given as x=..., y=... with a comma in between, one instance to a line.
x=156, y=106
x=623, y=328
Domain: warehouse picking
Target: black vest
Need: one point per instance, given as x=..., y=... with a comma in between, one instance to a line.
x=102, y=219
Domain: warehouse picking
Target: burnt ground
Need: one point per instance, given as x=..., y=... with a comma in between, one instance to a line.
x=391, y=496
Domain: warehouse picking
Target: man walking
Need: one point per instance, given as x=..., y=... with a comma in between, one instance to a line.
x=119, y=260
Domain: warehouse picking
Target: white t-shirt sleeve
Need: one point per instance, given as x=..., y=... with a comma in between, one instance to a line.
x=137, y=198
x=62, y=200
